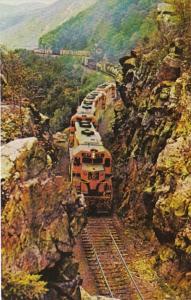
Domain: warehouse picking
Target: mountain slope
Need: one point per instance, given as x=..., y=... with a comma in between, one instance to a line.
x=113, y=25
x=11, y=15
x=25, y=30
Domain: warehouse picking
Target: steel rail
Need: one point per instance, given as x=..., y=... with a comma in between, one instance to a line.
x=102, y=271
x=125, y=265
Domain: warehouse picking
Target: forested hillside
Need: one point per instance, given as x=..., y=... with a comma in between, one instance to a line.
x=21, y=26
x=112, y=25
x=55, y=86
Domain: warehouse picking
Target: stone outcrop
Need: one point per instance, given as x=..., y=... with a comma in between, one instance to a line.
x=41, y=218
x=167, y=16
x=152, y=147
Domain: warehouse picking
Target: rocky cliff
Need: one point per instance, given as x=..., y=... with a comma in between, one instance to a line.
x=41, y=215
x=152, y=147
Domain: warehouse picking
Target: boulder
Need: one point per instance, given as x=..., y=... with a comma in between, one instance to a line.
x=24, y=158
x=170, y=68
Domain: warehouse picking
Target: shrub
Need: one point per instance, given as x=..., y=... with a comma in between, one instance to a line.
x=21, y=285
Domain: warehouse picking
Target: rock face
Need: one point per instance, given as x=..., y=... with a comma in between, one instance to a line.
x=21, y=121
x=40, y=218
x=173, y=188
x=152, y=147
x=13, y=119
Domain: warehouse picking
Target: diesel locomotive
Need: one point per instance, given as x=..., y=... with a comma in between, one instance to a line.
x=90, y=161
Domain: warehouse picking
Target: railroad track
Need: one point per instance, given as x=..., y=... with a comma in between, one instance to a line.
x=107, y=258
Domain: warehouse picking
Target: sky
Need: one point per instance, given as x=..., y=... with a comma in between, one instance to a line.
x=15, y=2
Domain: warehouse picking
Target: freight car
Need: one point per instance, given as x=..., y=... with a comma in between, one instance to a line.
x=80, y=53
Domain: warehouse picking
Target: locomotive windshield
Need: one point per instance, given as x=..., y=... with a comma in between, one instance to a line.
x=77, y=161
x=95, y=161
x=107, y=162
x=86, y=160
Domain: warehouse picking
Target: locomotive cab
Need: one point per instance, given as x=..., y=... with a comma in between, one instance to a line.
x=92, y=175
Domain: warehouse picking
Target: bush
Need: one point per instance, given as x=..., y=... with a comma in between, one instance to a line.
x=21, y=285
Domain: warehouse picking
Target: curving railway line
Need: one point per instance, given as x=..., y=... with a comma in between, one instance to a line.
x=108, y=260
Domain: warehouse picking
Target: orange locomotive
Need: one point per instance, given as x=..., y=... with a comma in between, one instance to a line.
x=91, y=167
x=90, y=161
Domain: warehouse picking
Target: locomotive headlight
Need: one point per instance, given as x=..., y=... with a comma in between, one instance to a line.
x=93, y=155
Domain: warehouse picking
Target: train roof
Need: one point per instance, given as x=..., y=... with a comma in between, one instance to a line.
x=86, y=111
x=95, y=94
x=106, y=84
x=82, y=114
x=87, y=136
x=88, y=148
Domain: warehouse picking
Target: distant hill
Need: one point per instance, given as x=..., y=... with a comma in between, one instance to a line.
x=11, y=15
x=113, y=25
x=7, y=10
x=21, y=26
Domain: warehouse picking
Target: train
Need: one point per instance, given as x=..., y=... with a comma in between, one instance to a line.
x=113, y=70
x=104, y=66
x=88, y=61
x=90, y=161
x=42, y=51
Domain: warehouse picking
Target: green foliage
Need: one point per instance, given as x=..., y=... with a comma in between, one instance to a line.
x=20, y=285
x=55, y=86
x=113, y=25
